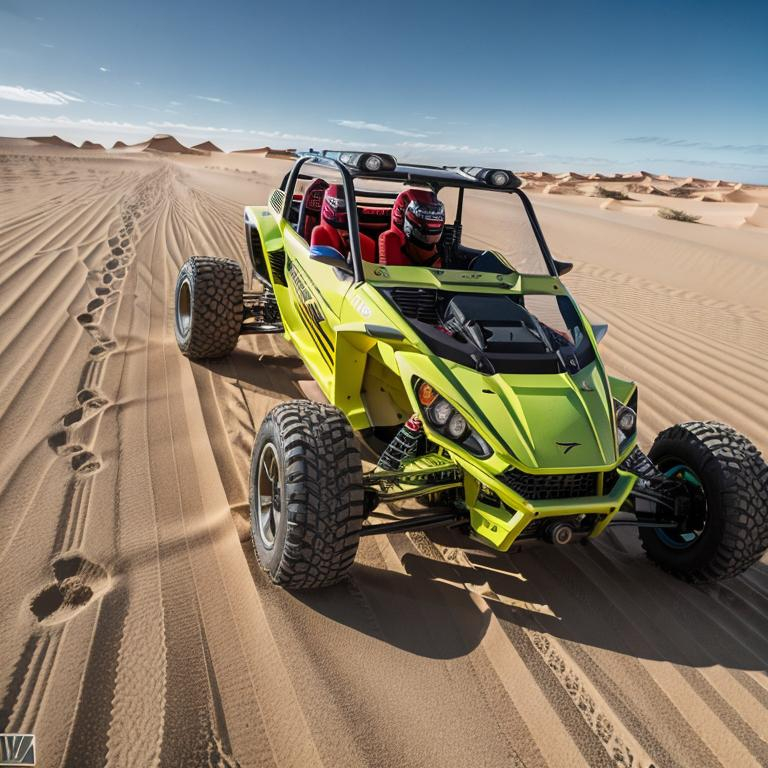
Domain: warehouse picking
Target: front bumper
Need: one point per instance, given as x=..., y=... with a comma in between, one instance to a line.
x=500, y=525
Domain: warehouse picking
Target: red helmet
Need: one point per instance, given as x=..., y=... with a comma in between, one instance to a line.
x=421, y=217
x=334, y=210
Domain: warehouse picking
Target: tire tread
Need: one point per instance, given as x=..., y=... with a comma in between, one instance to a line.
x=743, y=491
x=217, y=306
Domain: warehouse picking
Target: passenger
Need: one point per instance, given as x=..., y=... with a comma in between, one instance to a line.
x=418, y=219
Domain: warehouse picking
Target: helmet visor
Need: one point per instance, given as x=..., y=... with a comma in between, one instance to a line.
x=424, y=222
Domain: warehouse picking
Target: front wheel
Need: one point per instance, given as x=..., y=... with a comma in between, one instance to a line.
x=726, y=481
x=306, y=495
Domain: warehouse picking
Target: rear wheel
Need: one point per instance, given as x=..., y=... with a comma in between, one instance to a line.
x=726, y=481
x=306, y=495
x=208, y=307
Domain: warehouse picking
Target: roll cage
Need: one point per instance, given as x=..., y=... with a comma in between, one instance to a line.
x=436, y=177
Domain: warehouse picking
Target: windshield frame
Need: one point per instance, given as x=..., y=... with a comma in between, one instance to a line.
x=437, y=182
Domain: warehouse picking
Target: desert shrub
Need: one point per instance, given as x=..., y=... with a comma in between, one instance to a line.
x=674, y=215
x=613, y=194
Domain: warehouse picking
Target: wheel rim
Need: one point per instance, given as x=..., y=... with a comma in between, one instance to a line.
x=268, y=496
x=184, y=307
x=673, y=538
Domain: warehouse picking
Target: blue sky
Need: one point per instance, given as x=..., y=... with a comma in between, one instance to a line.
x=676, y=86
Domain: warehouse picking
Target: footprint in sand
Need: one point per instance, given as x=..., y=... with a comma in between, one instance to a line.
x=85, y=463
x=103, y=290
x=87, y=409
x=77, y=581
x=89, y=395
x=94, y=304
x=100, y=351
x=58, y=442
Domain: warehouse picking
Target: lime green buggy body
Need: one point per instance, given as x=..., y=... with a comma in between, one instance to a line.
x=366, y=358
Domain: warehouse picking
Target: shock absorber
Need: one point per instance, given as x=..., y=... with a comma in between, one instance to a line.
x=403, y=445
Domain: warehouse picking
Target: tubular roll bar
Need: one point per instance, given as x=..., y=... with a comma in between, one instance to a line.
x=290, y=180
x=349, y=196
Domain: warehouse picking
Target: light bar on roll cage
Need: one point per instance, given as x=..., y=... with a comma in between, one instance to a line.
x=372, y=162
x=493, y=177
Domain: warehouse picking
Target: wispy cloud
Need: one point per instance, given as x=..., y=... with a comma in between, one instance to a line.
x=47, y=45
x=195, y=128
x=661, y=141
x=665, y=162
x=63, y=123
x=104, y=69
x=39, y=121
x=321, y=142
x=213, y=99
x=31, y=96
x=465, y=149
x=362, y=125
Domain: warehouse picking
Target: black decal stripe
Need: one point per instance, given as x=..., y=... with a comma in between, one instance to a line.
x=330, y=344
x=309, y=325
x=320, y=335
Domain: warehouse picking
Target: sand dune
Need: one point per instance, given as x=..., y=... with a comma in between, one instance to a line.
x=718, y=203
x=119, y=145
x=137, y=628
x=90, y=145
x=55, y=141
x=164, y=142
x=207, y=146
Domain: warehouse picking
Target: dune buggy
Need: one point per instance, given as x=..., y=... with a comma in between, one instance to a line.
x=477, y=385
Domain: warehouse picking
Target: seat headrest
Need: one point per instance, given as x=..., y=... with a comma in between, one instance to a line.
x=313, y=195
x=334, y=209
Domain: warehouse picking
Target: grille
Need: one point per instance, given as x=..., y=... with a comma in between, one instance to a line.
x=277, y=262
x=255, y=241
x=609, y=481
x=542, y=487
x=418, y=303
x=276, y=200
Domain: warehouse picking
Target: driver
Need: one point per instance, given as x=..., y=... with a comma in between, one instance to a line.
x=418, y=219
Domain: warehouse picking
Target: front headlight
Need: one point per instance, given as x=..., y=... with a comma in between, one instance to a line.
x=440, y=412
x=447, y=421
x=626, y=422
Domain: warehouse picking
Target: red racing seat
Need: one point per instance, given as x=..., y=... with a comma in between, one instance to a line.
x=392, y=242
x=311, y=204
x=333, y=229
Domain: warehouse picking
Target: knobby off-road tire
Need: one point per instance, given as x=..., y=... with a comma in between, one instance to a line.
x=734, y=479
x=315, y=488
x=208, y=307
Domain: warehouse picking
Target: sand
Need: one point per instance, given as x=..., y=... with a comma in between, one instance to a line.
x=137, y=628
